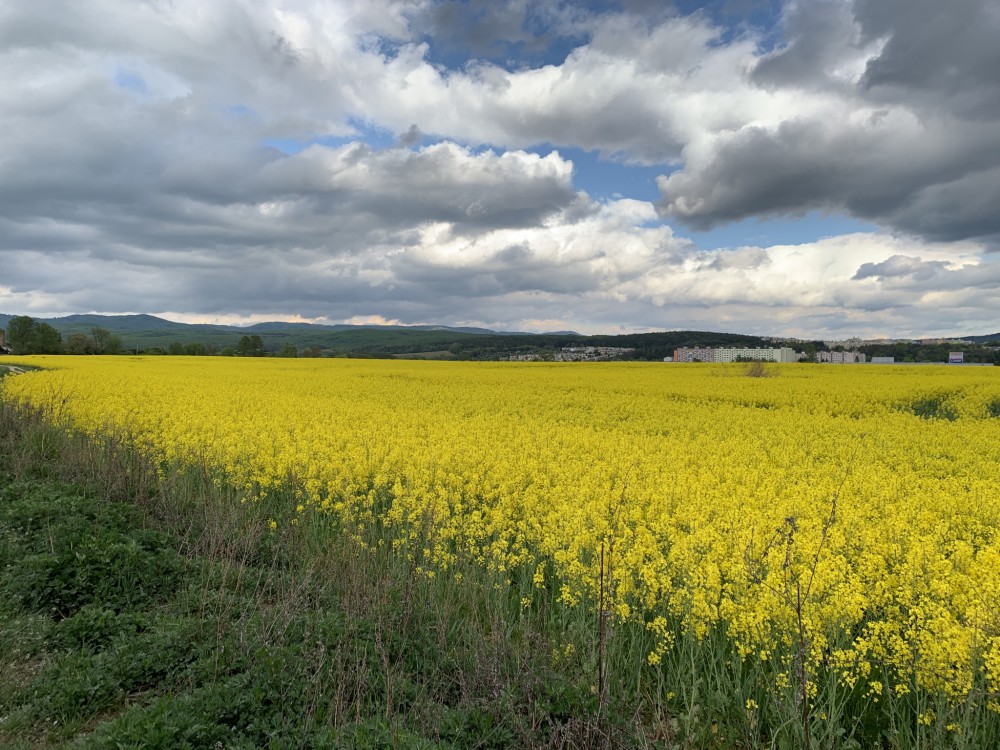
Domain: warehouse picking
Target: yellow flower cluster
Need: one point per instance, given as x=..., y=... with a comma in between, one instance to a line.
x=850, y=513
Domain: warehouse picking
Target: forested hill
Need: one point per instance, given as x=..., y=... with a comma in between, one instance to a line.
x=150, y=334
x=147, y=333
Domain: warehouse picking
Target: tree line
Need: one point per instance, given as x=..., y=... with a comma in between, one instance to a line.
x=247, y=346
x=25, y=335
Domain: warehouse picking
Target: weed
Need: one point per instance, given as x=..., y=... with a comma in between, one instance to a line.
x=934, y=406
x=993, y=408
x=758, y=370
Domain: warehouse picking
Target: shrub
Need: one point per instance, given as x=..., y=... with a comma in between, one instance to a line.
x=758, y=370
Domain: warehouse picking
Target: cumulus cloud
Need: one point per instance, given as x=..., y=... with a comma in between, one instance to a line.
x=900, y=266
x=938, y=57
x=481, y=28
x=411, y=137
x=897, y=122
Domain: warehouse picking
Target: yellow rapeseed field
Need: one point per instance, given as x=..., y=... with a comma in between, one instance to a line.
x=848, y=511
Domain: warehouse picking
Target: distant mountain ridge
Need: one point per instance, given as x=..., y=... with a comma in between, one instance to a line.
x=143, y=322
x=981, y=339
x=142, y=332
x=148, y=333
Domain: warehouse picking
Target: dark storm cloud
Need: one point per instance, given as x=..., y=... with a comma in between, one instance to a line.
x=901, y=266
x=479, y=27
x=874, y=172
x=965, y=207
x=817, y=33
x=411, y=137
x=941, y=56
x=536, y=30
x=943, y=187
x=915, y=145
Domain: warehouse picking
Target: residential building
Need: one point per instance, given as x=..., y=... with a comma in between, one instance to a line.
x=746, y=354
x=841, y=358
x=591, y=353
x=851, y=343
x=685, y=354
x=735, y=354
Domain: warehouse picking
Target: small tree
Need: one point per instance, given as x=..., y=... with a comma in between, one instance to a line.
x=78, y=343
x=19, y=333
x=250, y=346
x=105, y=342
x=757, y=369
x=29, y=336
x=46, y=340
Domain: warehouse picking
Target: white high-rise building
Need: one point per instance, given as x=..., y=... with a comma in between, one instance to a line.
x=686, y=354
x=841, y=358
x=736, y=354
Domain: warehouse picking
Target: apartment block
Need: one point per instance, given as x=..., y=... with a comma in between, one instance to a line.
x=737, y=354
x=841, y=358
x=685, y=354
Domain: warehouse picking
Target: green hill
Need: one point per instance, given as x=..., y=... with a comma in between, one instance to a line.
x=148, y=333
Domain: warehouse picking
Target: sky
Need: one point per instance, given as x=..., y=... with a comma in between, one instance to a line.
x=802, y=168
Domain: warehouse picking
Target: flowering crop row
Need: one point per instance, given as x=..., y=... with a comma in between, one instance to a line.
x=849, y=512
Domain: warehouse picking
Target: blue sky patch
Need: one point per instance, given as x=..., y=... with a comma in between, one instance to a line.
x=765, y=232
x=131, y=81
